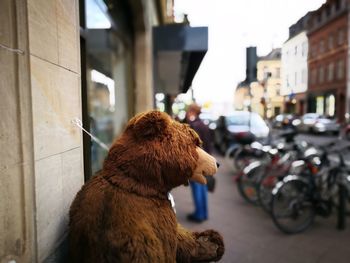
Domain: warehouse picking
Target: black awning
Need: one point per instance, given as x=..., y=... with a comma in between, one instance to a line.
x=194, y=60
x=178, y=51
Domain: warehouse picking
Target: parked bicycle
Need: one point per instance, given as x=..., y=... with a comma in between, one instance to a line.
x=273, y=164
x=298, y=198
x=277, y=169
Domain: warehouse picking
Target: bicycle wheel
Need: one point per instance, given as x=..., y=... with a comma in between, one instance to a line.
x=265, y=187
x=229, y=156
x=242, y=158
x=247, y=185
x=292, y=210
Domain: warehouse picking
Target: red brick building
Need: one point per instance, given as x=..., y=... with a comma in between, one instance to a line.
x=327, y=60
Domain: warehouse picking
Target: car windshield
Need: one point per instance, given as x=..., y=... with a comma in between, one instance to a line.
x=311, y=116
x=242, y=119
x=238, y=120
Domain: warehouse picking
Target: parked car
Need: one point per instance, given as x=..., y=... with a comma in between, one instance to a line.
x=316, y=123
x=239, y=126
x=283, y=120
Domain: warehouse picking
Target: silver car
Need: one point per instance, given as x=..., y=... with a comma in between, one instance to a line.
x=238, y=124
x=316, y=123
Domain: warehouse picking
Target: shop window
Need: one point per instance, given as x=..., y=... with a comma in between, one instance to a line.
x=102, y=105
x=320, y=105
x=105, y=67
x=330, y=105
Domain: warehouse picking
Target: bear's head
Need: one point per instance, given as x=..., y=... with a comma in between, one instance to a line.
x=158, y=153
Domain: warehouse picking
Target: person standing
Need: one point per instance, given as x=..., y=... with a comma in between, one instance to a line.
x=199, y=191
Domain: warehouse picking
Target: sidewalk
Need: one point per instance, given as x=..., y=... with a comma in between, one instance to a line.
x=250, y=235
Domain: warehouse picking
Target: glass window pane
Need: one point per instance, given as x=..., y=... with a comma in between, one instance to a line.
x=320, y=105
x=96, y=14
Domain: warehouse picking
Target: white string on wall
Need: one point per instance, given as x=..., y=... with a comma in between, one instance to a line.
x=79, y=124
x=15, y=50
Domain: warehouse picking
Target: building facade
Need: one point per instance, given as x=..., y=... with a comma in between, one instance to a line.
x=268, y=89
x=260, y=92
x=328, y=59
x=294, y=68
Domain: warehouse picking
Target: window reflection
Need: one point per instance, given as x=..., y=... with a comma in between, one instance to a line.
x=102, y=100
x=96, y=14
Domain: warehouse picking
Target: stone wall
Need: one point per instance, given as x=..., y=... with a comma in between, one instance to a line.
x=42, y=150
x=17, y=233
x=56, y=100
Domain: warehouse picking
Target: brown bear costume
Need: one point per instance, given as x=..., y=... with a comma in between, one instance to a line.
x=123, y=214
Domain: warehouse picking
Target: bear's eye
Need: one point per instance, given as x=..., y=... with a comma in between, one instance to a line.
x=197, y=141
x=193, y=136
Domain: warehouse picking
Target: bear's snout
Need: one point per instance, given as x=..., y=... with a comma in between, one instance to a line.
x=207, y=166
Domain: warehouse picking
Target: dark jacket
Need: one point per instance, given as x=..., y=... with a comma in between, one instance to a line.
x=203, y=132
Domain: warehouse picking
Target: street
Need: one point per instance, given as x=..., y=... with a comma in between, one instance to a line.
x=249, y=233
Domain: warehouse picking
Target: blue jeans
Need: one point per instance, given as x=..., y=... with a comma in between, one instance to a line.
x=200, y=198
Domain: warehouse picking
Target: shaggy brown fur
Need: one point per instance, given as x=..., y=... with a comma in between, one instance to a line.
x=123, y=214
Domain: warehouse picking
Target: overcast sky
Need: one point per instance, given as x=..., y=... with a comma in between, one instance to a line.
x=234, y=25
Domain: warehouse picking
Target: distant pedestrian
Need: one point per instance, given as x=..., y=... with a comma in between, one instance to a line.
x=199, y=191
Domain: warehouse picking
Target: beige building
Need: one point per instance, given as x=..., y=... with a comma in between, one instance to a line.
x=43, y=87
x=263, y=95
x=267, y=90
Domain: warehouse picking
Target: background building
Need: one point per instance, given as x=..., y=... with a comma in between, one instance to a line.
x=260, y=91
x=328, y=59
x=294, y=68
x=269, y=80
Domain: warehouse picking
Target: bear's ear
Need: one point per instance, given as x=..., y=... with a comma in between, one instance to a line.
x=150, y=124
